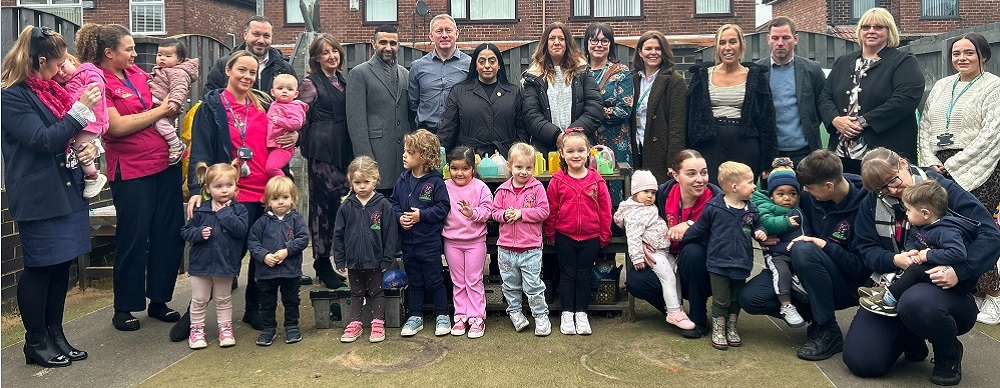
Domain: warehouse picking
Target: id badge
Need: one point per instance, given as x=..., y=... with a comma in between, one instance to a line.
x=245, y=153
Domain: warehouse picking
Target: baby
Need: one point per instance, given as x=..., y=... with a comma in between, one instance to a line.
x=285, y=115
x=170, y=83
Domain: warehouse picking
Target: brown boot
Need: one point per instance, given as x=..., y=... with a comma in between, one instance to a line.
x=732, y=338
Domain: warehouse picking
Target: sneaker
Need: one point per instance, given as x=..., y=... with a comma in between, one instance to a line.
x=979, y=302
x=791, y=315
x=948, y=370
x=566, y=324
x=582, y=323
x=542, y=325
x=196, y=340
x=92, y=187
x=442, y=325
x=519, y=321
x=867, y=291
x=226, y=337
x=378, y=331
x=875, y=303
x=412, y=326
x=351, y=332
x=477, y=327
x=989, y=314
x=459, y=327
x=823, y=344
x=681, y=320
x=292, y=334
x=266, y=337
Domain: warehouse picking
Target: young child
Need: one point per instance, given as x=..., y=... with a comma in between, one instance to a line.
x=76, y=77
x=465, y=241
x=170, y=83
x=780, y=215
x=420, y=202
x=521, y=206
x=365, y=241
x=276, y=242
x=937, y=238
x=579, y=225
x=286, y=114
x=216, y=235
x=638, y=216
x=729, y=220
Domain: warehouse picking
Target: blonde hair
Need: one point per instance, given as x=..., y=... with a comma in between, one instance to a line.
x=877, y=166
x=731, y=173
x=880, y=16
x=740, y=37
x=92, y=39
x=521, y=150
x=216, y=171
x=573, y=61
x=362, y=166
x=19, y=62
x=280, y=185
x=235, y=56
x=929, y=195
x=285, y=77
x=426, y=146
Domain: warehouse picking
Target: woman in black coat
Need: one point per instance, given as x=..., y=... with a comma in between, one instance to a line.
x=871, y=95
x=485, y=111
x=45, y=194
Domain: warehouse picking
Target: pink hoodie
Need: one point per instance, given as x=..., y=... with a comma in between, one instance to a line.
x=284, y=117
x=581, y=208
x=85, y=75
x=534, y=205
x=458, y=227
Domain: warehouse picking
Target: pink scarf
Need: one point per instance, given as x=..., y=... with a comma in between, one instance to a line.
x=52, y=95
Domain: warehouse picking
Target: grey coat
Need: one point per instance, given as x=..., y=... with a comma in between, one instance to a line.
x=809, y=81
x=378, y=116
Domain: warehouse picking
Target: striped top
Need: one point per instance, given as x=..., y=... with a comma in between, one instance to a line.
x=726, y=100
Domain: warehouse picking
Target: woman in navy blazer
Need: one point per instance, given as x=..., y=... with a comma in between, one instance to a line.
x=45, y=194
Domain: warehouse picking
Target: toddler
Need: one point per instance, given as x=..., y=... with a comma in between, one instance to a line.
x=780, y=215
x=729, y=221
x=170, y=83
x=286, y=114
x=643, y=225
x=420, y=202
x=276, y=242
x=521, y=206
x=365, y=241
x=216, y=233
x=75, y=77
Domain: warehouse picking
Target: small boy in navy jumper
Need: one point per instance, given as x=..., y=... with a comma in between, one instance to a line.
x=276, y=242
x=940, y=239
x=729, y=221
x=420, y=201
x=781, y=217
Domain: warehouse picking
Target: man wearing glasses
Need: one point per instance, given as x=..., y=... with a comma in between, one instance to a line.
x=433, y=75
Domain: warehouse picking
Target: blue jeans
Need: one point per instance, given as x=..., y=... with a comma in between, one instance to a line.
x=523, y=272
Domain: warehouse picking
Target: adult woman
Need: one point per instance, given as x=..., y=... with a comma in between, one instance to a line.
x=326, y=147
x=143, y=186
x=958, y=138
x=937, y=312
x=871, y=95
x=730, y=111
x=485, y=111
x=559, y=92
x=681, y=201
x=46, y=198
x=614, y=81
x=660, y=113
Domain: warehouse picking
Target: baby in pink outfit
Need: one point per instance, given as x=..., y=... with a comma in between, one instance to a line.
x=286, y=114
x=75, y=77
x=170, y=83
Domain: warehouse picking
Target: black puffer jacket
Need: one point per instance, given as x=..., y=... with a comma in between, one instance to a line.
x=587, y=110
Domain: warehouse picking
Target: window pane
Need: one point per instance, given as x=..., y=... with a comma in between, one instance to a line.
x=712, y=6
x=147, y=18
x=380, y=10
x=458, y=9
x=581, y=7
x=66, y=2
x=293, y=13
x=491, y=9
x=32, y=2
x=615, y=8
x=939, y=8
x=858, y=7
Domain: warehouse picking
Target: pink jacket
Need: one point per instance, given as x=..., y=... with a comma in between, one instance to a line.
x=284, y=117
x=174, y=83
x=458, y=227
x=642, y=224
x=581, y=208
x=85, y=75
x=534, y=205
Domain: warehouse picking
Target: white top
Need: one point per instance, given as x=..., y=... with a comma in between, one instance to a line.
x=645, y=85
x=726, y=100
x=561, y=100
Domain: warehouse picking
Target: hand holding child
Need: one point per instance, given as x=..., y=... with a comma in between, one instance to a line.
x=206, y=232
x=465, y=208
x=921, y=257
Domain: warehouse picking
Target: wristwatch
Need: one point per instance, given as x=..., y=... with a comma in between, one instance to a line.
x=862, y=121
x=689, y=222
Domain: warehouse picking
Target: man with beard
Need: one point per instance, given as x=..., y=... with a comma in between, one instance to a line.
x=433, y=75
x=378, y=113
x=257, y=40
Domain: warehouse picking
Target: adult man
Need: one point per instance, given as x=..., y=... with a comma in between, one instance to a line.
x=796, y=84
x=257, y=40
x=433, y=75
x=377, y=111
x=823, y=258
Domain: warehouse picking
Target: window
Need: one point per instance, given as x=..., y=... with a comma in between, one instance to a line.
x=380, y=11
x=293, y=13
x=706, y=7
x=942, y=9
x=146, y=17
x=483, y=9
x=858, y=8
x=607, y=8
x=71, y=10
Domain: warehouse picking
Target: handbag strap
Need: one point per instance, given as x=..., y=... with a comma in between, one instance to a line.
x=607, y=75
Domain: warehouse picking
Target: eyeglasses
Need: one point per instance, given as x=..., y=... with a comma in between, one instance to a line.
x=892, y=184
x=601, y=42
x=867, y=27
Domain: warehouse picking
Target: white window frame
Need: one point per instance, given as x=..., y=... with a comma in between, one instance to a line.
x=728, y=11
x=368, y=19
x=592, y=4
x=131, y=16
x=467, y=6
x=293, y=13
x=857, y=12
x=939, y=2
x=49, y=7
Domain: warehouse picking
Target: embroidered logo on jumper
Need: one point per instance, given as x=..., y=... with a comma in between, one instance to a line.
x=376, y=220
x=921, y=239
x=593, y=192
x=529, y=200
x=425, y=192
x=289, y=234
x=747, y=223
x=842, y=232
x=121, y=92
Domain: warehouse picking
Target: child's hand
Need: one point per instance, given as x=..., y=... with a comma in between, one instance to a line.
x=206, y=232
x=270, y=260
x=921, y=257
x=342, y=271
x=513, y=215
x=414, y=215
x=174, y=106
x=281, y=255
x=760, y=235
x=406, y=221
x=794, y=221
x=465, y=208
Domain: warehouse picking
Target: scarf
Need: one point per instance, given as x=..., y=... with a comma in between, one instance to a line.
x=52, y=95
x=676, y=214
x=890, y=233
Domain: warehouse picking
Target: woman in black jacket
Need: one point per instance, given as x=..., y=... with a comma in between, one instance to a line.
x=871, y=95
x=484, y=112
x=730, y=111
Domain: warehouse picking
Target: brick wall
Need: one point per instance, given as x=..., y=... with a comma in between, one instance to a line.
x=214, y=18
x=908, y=14
x=808, y=15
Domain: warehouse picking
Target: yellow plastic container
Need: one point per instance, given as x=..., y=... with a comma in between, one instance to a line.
x=553, y=162
x=539, y=164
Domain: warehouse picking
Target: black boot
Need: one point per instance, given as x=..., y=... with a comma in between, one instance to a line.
x=948, y=368
x=330, y=279
x=60, y=343
x=180, y=330
x=38, y=349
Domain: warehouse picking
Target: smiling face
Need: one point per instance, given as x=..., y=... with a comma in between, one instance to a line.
x=598, y=46
x=166, y=56
x=461, y=172
x=123, y=56
x=242, y=74
x=651, y=53
x=222, y=189
x=575, y=152
x=744, y=187
x=728, y=46
x=329, y=59
x=487, y=66
x=443, y=34
x=965, y=59
x=258, y=38
x=692, y=177
x=521, y=167
x=782, y=42
x=874, y=36
x=386, y=44
x=556, y=45
x=785, y=196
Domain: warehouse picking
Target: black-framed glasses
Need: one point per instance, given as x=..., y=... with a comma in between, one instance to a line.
x=866, y=27
x=893, y=183
x=600, y=42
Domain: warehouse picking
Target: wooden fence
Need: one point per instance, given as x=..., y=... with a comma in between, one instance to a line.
x=207, y=49
x=935, y=59
x=14, y=19
x=821, y=48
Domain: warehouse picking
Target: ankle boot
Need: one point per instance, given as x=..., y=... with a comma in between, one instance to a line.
x=38, y=349
x=732, y=337
x=60, y=343
x=719, y=333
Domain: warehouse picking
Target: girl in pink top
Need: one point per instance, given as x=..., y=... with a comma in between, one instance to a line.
x=75, y=77
x=285, y=115
x=465, y=241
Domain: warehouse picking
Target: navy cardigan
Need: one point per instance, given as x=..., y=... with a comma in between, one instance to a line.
x=221, y=253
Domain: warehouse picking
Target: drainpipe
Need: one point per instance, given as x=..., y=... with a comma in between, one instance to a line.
x=543, y=17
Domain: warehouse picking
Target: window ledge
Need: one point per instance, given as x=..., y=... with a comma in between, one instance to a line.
x=940, y=18
x=713, y=15
x=604, y=18
x=486, y=21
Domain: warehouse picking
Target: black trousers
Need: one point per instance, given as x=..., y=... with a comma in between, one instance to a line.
x=576, y=258
x=781, y=271
x=254, y=211
x=149, y=247
x=424, y=273
x=366, y=284
x=730, y=145
x=268, y=289
x=912, y=275
x=41, y=296
x=327, y=184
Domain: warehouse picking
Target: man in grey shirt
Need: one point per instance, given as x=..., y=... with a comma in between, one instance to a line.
x=433, y=75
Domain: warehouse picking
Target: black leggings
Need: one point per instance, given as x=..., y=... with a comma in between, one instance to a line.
x=730, y=145
x=41, y=296
x=576, y=258
x=366, y=282
x=912, y=275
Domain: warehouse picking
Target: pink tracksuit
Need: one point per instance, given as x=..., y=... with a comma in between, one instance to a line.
x=282, y=118
x=465, y=246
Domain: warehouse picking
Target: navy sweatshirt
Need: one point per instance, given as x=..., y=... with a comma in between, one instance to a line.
x=221, y=253
x=365, y=236
x=429, y=194
x=833, y=222
x=270, y=234
x=729, y=232
x=946, y=238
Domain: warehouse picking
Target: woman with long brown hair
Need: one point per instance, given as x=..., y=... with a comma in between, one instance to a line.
x=660, y=105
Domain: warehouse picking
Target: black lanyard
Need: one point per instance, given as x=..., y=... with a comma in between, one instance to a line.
x=130, y=86
x=241, y=126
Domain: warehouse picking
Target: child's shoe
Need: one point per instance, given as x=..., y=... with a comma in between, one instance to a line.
x=459, y=327
x=197, y=338
x=681, y=320
x=378, y=331
x=352, y=332
x=477, y=327
x=566, y=324
x=176, y=155
x=582, y=323
x=791, y=315
x=292, y=334
x=867, y=291
x=92, y=187
x=266, y=337
x=732, y=337
x=442, y=325
x=226, y=337
x=875, y=303
x=519, y=321
x=412, y=326
x=719, y=333
x=542, y=325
